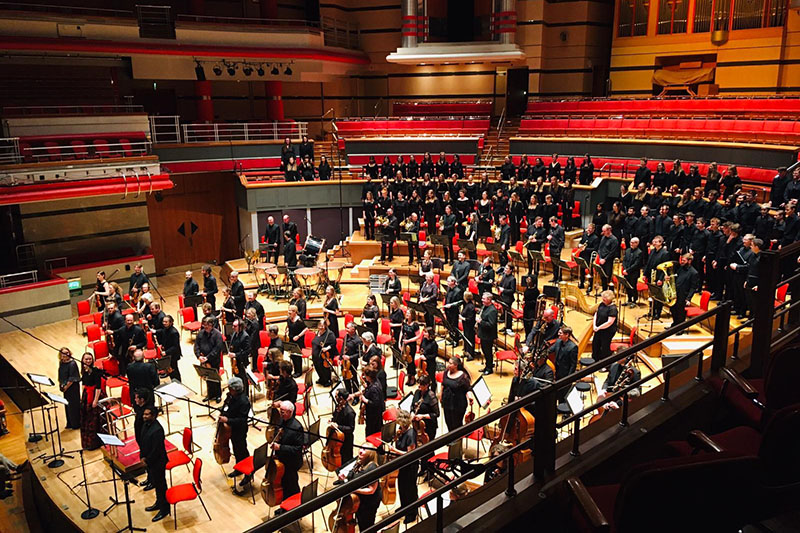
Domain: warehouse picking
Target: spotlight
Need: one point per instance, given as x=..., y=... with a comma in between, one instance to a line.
x=288, y=70
x=217, y=70
x=231, y=70
x=274, y=70
x=260, y=70
x=200, y=72
x=247, y=70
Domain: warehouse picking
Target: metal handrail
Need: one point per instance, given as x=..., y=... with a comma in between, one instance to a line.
x=242, y=131
x=84, y=150
x=539, y=440
x=501, y=123
x=204, y=19
x=19, y=278
x=11, y=111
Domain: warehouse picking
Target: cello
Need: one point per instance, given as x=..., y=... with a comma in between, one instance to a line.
x=343, y=520
x=222, y=439
x=271, y=487
x=332, y=452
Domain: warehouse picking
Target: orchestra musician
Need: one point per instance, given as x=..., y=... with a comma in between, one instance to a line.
x=228, y=307
x=368, y=348
x=536, y=236
x=287, y=386
x=298, y=300
x=138, y=278
x=208, y=312
x=607, y=251
x=344, y=419
x=485, y=276
x=209, y=286
x=390, y=228
x=113, y=319
x=587, y=247
x=289, y=254
x=632, y=269
x=426, y=264
x=330, y=310
x=556, y=239
x=373, y=398
x=392, y=284
x=296, y=333
x=604, y=325
x=239, y=350
x=237, y=293
x=686, y=283
x=540, y=375
x=129, y=335
x=253, y=327
x=467, y=318
x=452, y=300
x=208, y=347
x=565, y=353
x=447, y=223
x=252, y=303
x=101, y=291
x=529, y=298
x=428, y=296
x=369, y=496
x=145, y=299
x=236, y=413
x=291, y=227
x=288, y=449
x=546, y=329
x=426, y=406
x=487, y=331
x=505, y=240
x=153, y=452
x=169, y=339
x=371, y=314
x=351, y=346
x=410, y=336
x=141, y=375
x=68, y=383
x=323, y=350
x=404, y=441
x=460, y=271
x=412, y=226
x=453, y=395
x=507, y=288
x=272, y=238
x=190, y=286
x=658, y=255
x=155, y=318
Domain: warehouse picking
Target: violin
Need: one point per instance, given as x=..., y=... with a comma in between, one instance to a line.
x=347, y=368
x=419, y=427
x=271, y=487
x=422, y=368
x=343, y=520
x=222, y=448
x=469, y=417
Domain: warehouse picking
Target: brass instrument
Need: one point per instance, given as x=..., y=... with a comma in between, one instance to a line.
x=496, y=231
x=668, y=288
x=381, y=220
x=617, y=270
x=625, y=377
x=408, y=224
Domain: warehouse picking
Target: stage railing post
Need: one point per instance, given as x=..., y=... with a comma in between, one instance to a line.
x=544, y=438
x=763, y=311
x=719, y=352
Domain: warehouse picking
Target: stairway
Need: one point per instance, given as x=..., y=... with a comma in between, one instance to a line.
x=496, y=147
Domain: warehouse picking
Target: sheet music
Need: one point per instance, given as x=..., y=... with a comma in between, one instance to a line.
x=40, y=379
x=253, y=379
x=575, y=401
x=173, y=390
x=431, y=505
x=110, y=440
x=407, y=402
x=56, y=398
x=482, y=393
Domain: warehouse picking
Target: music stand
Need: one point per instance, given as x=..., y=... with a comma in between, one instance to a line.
x=622, y=283
x=39, y=380
x=537, y=257
x=583, y=265
x=468, y=246
x=360, y=330
x=386, y=297
x=494, y=247
x=173, y=391
x=440, y=240
x=311, y=323
x=416, y=278
x=113, y=440
x=603, y=277
x=516, y=257
x=418, y=307
x=207, y=374
x=292, y=348
x=56, y=462
x=193, y=301
x=558, y=263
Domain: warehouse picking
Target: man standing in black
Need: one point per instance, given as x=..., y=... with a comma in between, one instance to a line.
x=351, y=346
x=698, y=247
x=129, y=335
x=556, y=239
x=454, y=297
x=153, y=453
x=460, y=271
x=289, y=449
x=536, y=236
x=239, y=349
x=413, y=243
x=138, y=278
x=272, y=238
x=209, y=286
x=504, y=241
x=606, y=253
x=448, y=225
x=141, y=375
x=389, y=236
x=487, y=332
x=566, y=353
x=485, y=276
x=506, y=289
x=587, y=246
x=658, y=255
x=686, y=281
x=291, y=227
x=190, y=286
x=237, y=292
x=113, y=318
x=169, y=338
x=255, y=304
x=208, y=349
x=631, y=269
x=235, y=412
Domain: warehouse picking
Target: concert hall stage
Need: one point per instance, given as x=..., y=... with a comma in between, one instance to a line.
x=60, y=487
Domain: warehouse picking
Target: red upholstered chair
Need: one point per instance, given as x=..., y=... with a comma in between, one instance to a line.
x=385, y=336
x=189, y=321
x=348, y=318
x=307, y=338
x=308, y=493
x=99, y=349
x=93, y=333
x=187, y=492
x=181, y=457
x=683, y=481
x=84, y=315
x=248, y=467
x=780, y=294
x=151, y=351
x=259, y=373
x=303, y=407
x=694, y=311
x=472, y=286
x=507, y=355
x=478, y=436
x=631, y=341
x=390, y=414
x=98, y=318
x=263, y=336
x=395, y=394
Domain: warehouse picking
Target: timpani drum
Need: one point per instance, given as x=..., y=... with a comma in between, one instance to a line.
x=309, y=278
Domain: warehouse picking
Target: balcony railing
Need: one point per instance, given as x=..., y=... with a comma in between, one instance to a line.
x=23, y=111
x=11, y=153
x=169, y=130
x=19, y=278
x=66, y=10
x=284, y=24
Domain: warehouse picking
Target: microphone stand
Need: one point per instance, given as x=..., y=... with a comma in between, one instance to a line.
x=90, y=511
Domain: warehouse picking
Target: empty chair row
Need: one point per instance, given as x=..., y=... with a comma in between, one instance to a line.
x=670, y=106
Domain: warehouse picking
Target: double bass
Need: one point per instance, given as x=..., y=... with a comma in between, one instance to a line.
x=343, y=520
x=222, y=439
x=332, y=452
x=271, y=487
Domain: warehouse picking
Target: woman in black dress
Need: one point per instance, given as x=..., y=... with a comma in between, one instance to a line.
x=370, y=496
x=484, y=216
x=69, y=382
x=453, y=396
x=586, y=172
x=370, y=315
x=331, y=310
x=90, y=400
x=290, y=172
x=549, y=209
x=324, y=170
x=616, y=219
x=404, y=441
x=396, y=317
x=539, y=170
x=430, y=352
x=515, y=213
x=467, y=317
x=570, y=170
x=412, y=169
x=529, y=298
x=431, y=210
x=567, y=204
x=287, y=151
x=373, y=399
x=415, y=203
x=387, y=168
x=410, y=336
x=371, y=169
x=296, y=333
x=426, y=406
x=534, y=210
x=369, y=216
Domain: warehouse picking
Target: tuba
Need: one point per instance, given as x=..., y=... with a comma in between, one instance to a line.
x=668, y=288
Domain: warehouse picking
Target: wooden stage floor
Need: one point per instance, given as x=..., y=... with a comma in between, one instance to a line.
x=233, y=513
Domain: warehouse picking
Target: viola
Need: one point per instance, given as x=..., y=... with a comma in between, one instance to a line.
x=422, y=368
x=343, y=520
x=332, y=452
x=347, y=368
x=271, y=485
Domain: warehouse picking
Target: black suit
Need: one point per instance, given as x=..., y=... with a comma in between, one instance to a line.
x=154, y=452
x=190, y=287
x=237, y=292
x=210, y=345
x=460, y=271
x=290, y=454
x=272, y=237
x=454, y=296
x=608, y=251
x=487, y=333
x=240, y=347
x=508, y=284
x=237, y=410
x=655, y=259
x=170, y=341
x=686, y=283
x=142, y=375
x=126, y=337
x=210, y=288
x=566, y=357
x=389, y=236
x=632, y=264
x=556, y=245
